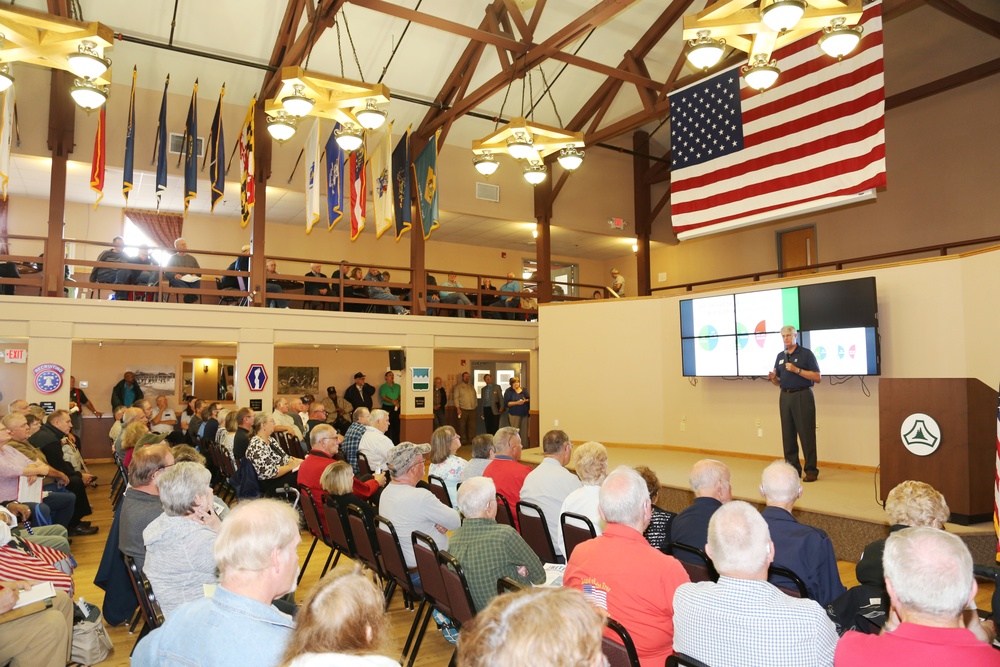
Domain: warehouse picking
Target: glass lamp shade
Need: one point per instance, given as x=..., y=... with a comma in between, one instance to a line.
x=783, y=15
x=839, y=40
x=297, y=105
x=6, y=79
x=705, y=52
x=281, y=127
x=87, y=95
x=371, y=117
x=520, y=147
x=349, y=138
x=485, y=164
x=87, y=65
x=761, y=75
x=535, y=173
x=570, y=158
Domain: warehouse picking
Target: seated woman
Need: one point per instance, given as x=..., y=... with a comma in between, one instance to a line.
x=130, y=438
x=179, y=542
x=226, y=436
x=274, y=467
x=344, y=489
x=444, y=462
x=658, y=531
x=342, y=622
x=591, y=465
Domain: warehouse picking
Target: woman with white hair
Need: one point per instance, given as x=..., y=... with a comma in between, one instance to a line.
x=274, y=467
x=179, y=542
x=590, y=460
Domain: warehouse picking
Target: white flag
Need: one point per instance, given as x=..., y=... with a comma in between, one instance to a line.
x=6, y=137
x=312, y=177
x=381, y=162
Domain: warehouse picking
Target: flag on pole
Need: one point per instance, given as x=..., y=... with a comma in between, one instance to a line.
x=6, y=137
x=425, y=178
x=99, y=160
x=247, y=187
x=312, y=177
x=334, y=179
x=216, y=149
x=401, y=184
x=814, y=140
x=357, y=182
x=191, y=150
x=161, y=147
x=381, y=162
x=128, y=171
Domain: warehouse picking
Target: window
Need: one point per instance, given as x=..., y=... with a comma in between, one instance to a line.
x=564, y=276
x=135, y=239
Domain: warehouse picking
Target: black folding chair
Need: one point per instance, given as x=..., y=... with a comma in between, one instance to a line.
x=681, y=660
x=152, y=617
x=576, y=529
x=620, y=652
x=366, y=548
x=535, y=531
x=504, y=514
x=779, y=573
x=703, y=570
x=395, y=567
x=337, y=527
x=439, y=489
x=320, y=534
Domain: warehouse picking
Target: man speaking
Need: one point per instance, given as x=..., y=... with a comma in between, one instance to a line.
x=795, y=372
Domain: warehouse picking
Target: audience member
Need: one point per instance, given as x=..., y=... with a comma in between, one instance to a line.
x=209, y=423
x=516, y=400
x=163, y=420
x=658, y=531
x=803, y=549
x=743, y=621
x=454, y=297
x=382, y=293
x=317, y=288
x=444, y=461
x=512, y=285
x=275, y=469
x=550, y=483
x=133, y=414
x=20, y=459
x=463, y=397
x=375, y=445
x=194, y=423
x=126, y=392
x=43, y=639
x=440, y=401
x=342, y=488
x=226, y=436
x=711, y=482
x=241, y=441
x=33, y=562
x=179, y=542
x=188, y=412
x=317, y=416
x=338, y=410
x=255, y=553
x=272, y=285
x=360, y=393
x=492, y=404
x=144, y=277
x=506, y=470
x=182, y=260
x=591, y=465
x=49, y=439
x=352, y=438
x=489, y=551
x=116, y=255
x=283, y=421
x=928, y=574
x=324, y=445
x=482, y=457
x=638, y=595
x=389, y=397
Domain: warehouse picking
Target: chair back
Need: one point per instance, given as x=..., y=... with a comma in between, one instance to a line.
x=364, y=544
x=281, y=437
x=576, y=528
x=681, y=660
x=425, y=552
x=508, y=585
x=363, y=468
x=703, y=570
x=504, y=514
x=780, y=576
x=392, y=555
x=439, y=489
x=336, y=523
x=620, y=652
x=311, y=514
x=148, y=606
x=463, y=609
x=535, y=531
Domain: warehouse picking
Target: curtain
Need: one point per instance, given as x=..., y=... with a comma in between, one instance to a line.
x=163, y=228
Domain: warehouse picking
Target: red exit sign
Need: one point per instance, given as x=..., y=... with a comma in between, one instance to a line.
x=15, y=356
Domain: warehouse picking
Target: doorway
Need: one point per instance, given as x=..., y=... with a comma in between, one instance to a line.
x=502, y=372
x=797, y=248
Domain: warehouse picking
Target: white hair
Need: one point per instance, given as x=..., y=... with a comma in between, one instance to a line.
x=738, y=539
x=707, y=474
x=930, y=571
x=475, y=495
x=180, y=484
x=624, y=497
x=252, y=532
x=780, y=483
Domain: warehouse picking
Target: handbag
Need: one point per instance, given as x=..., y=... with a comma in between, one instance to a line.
x=91, y=642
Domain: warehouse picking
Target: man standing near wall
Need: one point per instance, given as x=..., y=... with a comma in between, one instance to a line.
x=492, y=405
x=463, y=395
x=795, y=372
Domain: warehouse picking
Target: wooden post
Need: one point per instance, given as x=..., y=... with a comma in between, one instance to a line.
x=642, y=210
x=418, y=250
x=62, y=123
x=543, y=244
x=262, y=172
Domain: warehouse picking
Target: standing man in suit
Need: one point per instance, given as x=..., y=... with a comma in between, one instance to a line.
x=359, y=394
x=492, y=405
x=795, y=372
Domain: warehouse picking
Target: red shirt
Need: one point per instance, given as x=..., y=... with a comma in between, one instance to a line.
x=915, y=646
x=508, y=476
x=635, y=583
x=312, y=469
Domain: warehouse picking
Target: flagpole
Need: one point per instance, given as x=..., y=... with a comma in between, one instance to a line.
x=156, y=141
x=204, y=160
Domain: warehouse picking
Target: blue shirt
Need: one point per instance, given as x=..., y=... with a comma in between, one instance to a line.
x=488, y=397
x=800, y=357
x=806, y=551
x=226, y=629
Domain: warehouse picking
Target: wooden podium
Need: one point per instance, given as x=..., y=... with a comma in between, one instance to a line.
x=963, y=466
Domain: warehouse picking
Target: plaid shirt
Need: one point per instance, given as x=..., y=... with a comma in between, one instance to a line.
x=743, y=623
x=489, y=551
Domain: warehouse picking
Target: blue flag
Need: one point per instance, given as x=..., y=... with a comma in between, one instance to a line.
x=334, y=179
x=425, y=179
x=161, y=147
x=216, y=148
x=128, y=171
x=401, y=184
x=191, y=150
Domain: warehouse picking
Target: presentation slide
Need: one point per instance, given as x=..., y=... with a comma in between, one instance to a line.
x=755, y=353
x=767, y=311
x=713, y=316
x=709, y=356
x=843, y=351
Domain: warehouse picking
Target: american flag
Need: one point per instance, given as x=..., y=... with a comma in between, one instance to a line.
x=816, y=139
x=596, y=595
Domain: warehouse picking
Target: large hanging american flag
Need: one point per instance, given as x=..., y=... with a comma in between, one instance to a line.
x=814, y=140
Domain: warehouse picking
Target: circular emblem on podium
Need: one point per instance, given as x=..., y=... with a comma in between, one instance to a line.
x=920, y=434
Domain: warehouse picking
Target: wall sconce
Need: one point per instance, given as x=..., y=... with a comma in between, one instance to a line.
x=204, y=367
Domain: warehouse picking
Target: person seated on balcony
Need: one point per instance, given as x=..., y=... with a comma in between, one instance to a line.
x=355, y=291
x=382, y=293
x=512, y=285
x=454, y=297
x=135, y=276
x=181, y=259
x=241, y=263
x=116, y=254
x=318, y=289
x=273, y=286
x=400, y=293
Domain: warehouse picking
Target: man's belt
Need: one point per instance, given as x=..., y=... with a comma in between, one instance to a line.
x=792, y=391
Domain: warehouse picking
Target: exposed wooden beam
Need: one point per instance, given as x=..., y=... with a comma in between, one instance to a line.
x=957, y=10
x=945, y=83
x=625, y=125
x=659, y=172
x=295, y=54
x=503, y=55
x=646, y=93
x=641, y=80
x=284, y=39
x=514, y=12
x=660, y=204
x=536, y=15
x=893, y=9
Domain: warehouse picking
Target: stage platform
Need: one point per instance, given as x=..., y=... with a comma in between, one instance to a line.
x=843, y=502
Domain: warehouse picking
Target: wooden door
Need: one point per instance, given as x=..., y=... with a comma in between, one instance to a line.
x=797, y=248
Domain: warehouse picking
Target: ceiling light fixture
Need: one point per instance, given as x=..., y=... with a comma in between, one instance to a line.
x=838, y=40
x=6, y=78
x=704, y=52
x=371, y=117
x=520, y=146
x=535, y=172
x=486, y=164
x=297, y=104
x=281, y=126
x=570, y=158
x=87, y=62
x=88, y=95
x=782, y=15
x=762, y=74
x=349, y=137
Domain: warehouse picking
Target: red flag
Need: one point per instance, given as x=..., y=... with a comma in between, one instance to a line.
x=97, y=165
x=359, y=192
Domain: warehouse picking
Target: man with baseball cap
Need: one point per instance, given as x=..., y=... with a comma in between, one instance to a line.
x=360, y=393
x=338, y=410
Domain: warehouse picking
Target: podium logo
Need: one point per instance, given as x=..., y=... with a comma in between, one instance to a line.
x=920, y=434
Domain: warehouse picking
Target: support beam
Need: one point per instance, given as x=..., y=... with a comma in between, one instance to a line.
x=957, y=10
x=641, y=210
x=294, y=55
x=62, y=125
x=452, y=27
x=543, y=244
x=262, y=172
x=943, y=84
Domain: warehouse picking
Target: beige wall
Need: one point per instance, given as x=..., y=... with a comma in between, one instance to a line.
x=936, y=318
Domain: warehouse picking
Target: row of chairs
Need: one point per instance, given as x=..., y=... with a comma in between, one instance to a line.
x=704, y=570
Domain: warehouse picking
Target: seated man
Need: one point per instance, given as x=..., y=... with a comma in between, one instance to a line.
x=272, y=286
x=283, y=421
x=352, y=438
x=482, y=457
x=506, y=470
x=382, y=293
x=710, y=481
x=115, y=254
x=620, y=573
x=487, y=550
x=454, y=297
x=512, y=285
x=257, y=560
x=59, y=504
x=806, y=551
x=43, y=639
x=49, y=439
x=742, y=620
x=324, y=444
x=928, y=574
x=181, y=259
x=318, y=288
x=375, y=444
x=549, y=483
x=141, y=503
x=135, y=276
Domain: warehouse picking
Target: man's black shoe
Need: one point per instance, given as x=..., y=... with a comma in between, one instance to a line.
x=80, y=529
x=85, y=524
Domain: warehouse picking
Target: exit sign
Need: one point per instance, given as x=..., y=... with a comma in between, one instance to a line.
x=15, y=356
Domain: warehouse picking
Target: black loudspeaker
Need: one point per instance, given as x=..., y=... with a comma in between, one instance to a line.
x=397, y=360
